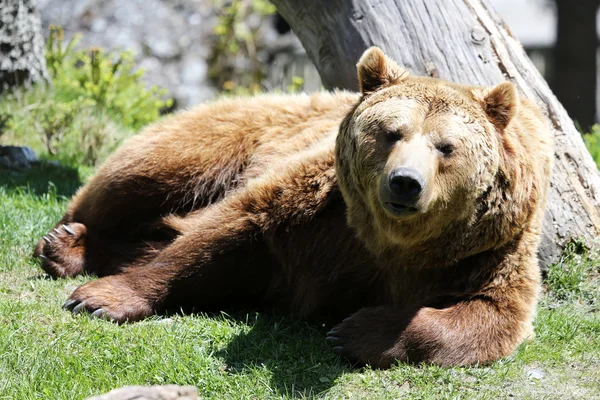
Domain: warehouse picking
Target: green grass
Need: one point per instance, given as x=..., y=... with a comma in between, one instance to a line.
x=45, y=353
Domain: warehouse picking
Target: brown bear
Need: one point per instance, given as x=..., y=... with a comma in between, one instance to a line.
x=413, y=209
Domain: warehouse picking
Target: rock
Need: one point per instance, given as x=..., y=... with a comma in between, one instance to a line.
x=167, y=392
x=193, y=69
x=98, y=25
x=15, y=157
x=405, y=387
x=535, y=374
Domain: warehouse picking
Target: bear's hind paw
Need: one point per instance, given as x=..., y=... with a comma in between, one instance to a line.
x=61, y=251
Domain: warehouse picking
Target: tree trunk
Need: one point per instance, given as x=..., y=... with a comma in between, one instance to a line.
x=575, y=59
x=22, y=59
x=461, y=41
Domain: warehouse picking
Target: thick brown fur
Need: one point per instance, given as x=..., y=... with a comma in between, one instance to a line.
x=275, y=201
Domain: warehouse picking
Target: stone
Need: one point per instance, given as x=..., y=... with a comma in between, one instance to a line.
x=166, y=392
x=193, y=70
x=535, y=374
x=15, y=157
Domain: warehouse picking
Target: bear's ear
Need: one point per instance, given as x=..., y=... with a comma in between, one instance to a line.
x=376, y=71
x=500, y=103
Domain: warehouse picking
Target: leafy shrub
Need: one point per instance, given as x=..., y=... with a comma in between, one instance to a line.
x=53, y=123
x=71, y=132
x=96, y=100
x=107, y=80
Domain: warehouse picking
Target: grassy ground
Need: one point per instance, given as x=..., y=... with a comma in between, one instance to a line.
x=46, y=353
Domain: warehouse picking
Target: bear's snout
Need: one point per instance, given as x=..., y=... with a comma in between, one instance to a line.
x=401, y=191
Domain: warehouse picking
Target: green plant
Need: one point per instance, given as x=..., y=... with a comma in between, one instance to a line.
x=592, y=142
x=107, y=80
x=56, y=52
x=235, y=63
x=96, y=99
x=53, y=120
x=74, y=133
x=4, y=121
x=297, y=84
x=574, y=276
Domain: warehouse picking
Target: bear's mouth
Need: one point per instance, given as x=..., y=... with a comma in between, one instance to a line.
x=400, y=209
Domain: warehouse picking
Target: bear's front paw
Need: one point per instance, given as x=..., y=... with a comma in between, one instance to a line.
x=109, y=298
x=370, y=336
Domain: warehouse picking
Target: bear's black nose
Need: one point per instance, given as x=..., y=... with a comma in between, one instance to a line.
x=406, y=184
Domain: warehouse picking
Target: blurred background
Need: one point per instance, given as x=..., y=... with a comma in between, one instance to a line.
x=118, y=65
x=177, y=43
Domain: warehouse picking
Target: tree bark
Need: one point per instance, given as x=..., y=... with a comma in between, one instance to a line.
x=461, y=41
x=575, y=59
x=22, y=59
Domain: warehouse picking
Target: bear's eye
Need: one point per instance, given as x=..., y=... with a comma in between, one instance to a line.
x=445, y=148
x=393, y=135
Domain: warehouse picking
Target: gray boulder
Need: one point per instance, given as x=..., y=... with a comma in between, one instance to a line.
x=15, y=157
x=167, y=392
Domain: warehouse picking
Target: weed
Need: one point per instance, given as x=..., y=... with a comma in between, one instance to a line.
x=574, y=276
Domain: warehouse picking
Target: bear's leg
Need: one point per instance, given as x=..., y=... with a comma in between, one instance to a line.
x=484, y=327
x=106, y=229
x=220, y=247
x=151, y=176
x=210, y=269
x=115, y=220
x=466, y=333
x=70, y=249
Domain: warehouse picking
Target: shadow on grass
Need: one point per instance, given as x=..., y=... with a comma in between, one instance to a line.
x=301, y=363
x=42, y=178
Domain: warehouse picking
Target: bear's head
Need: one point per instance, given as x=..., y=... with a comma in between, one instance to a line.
x=417, y=156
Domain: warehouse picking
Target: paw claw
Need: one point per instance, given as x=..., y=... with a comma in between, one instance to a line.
x=338, y=349
x=46, y=239
x=43, y=257
x=99, y=313
x=53, y=236
x=56, y=231
x=68, y=230
x=332, y=339
x=78, y=308
x=69, y=304
x=333, y=331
